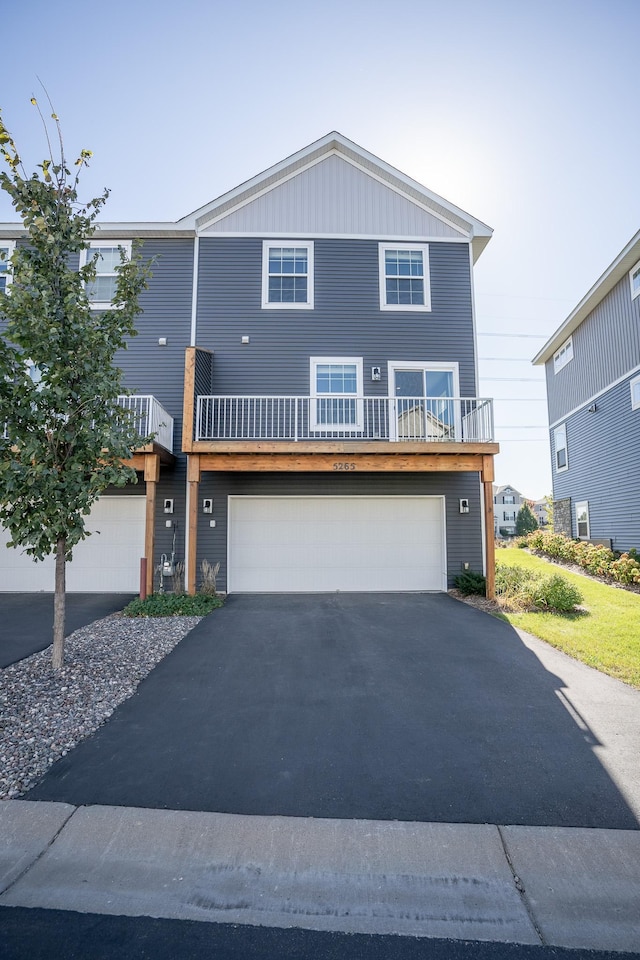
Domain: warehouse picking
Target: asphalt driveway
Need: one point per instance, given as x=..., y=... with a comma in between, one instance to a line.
x=384, y=707
x=26, y=619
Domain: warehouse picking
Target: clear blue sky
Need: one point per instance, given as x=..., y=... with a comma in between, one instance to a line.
x=525, y=115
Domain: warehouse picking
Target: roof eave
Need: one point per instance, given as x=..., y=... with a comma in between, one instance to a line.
x=614, y=273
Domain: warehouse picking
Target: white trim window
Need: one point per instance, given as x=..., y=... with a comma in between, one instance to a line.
x=582, y=520
x=634, y=280
x=404, y=276
x=103, y=289
x=336, y=394
x=287, y=275
x=6, y=251
x=563, y=356
x=635, y=393
x=560, y=447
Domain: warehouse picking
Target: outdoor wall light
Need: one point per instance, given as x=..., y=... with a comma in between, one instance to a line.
x=464, y=506
x=593, y=408
x=376, y=373
x=245, y=340
x=168, y=506
x=207, y=505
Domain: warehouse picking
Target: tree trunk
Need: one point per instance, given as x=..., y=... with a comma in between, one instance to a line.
x=57, y=658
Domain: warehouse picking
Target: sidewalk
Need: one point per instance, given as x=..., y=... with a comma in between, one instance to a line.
x=570, y=887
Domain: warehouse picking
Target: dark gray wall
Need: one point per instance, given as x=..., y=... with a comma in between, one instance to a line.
x=346, y=319
x=464, y=543
x=602, y=450
x=166, y=305
x=606, y=346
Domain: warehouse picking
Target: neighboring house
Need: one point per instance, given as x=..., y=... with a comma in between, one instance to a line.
x=593, y=394
x=541, y=512
x=311, y=334
x=506, y=504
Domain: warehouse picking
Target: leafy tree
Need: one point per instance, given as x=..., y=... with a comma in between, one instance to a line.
x=525, y=521
x=65, y=434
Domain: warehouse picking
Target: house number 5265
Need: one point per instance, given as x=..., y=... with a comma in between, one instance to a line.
x=342, y=465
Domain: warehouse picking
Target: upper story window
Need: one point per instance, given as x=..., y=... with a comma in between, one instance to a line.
x=560, y=444
x=509, y=515
x=103, y=289
x=287, y=275
x=635, y=393
x=6, y=250
x=404, y=276
x=582, y=519
x=634, y=280
x=509, y=498
x=336, y=385
x=562, y=357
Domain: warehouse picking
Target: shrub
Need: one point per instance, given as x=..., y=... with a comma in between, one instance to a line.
x=555, y=593
x=173, y=605
x=470, y=583
x=525, y=588
x=594, y=558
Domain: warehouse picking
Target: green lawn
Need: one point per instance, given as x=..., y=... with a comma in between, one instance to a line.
x=606, y=635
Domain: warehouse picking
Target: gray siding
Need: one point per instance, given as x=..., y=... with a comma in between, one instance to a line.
x=464, y=543
x=606, y=346
x=334, y=197
x=149, y=368
x=602, y=450
x=346, y=320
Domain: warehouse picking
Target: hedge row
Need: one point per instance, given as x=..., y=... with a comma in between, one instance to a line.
x=597, y=560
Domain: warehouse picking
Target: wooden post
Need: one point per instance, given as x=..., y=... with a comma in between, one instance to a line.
x=151, y=477
x=188, y=399
x=193, y=478
x=489, y=532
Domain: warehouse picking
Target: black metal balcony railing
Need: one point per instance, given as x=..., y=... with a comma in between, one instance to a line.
x=429, y=419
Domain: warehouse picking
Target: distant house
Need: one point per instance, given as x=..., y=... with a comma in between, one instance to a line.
x=506, y=504
x=541, y=512
x=592, y=365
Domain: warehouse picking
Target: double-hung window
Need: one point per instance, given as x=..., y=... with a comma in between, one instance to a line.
x=560, y=445
x=6, y=250
x=582, y=519
x=563, y=356
x=336, y=394
x=102, y=290
x=404, y=276
x=287, y=275
x=635, y=393
x=634, y=280
x=509, y=498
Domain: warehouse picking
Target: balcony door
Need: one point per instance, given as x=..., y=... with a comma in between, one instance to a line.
x=423, y=405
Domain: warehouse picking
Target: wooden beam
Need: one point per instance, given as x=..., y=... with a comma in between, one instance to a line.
x=385, y=447
x=490, y=540
x=192, y=553
x=149, y=530
x=339, y=464
x=487, y=469
x=188, y=399
x=151, y=467
x=194, y=468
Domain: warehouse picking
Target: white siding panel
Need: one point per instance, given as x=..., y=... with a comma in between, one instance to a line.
x=316, y=544
x=106, y=562
x=334, y=197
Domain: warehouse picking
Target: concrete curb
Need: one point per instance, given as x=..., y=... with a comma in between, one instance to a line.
x=535, y=885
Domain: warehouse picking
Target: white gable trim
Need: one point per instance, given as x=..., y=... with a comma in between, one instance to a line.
x=202, y=226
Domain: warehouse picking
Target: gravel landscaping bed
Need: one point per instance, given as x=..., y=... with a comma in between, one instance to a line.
x=44, y=714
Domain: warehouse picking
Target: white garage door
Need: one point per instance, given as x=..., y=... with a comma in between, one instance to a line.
x=317, y=544
x=106, y=562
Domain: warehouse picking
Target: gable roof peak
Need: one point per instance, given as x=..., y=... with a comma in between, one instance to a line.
x=335, y=143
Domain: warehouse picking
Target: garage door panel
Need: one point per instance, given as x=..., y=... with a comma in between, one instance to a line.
x=108, y=561
x=311, y=544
